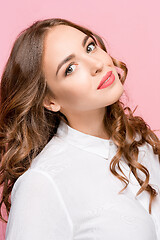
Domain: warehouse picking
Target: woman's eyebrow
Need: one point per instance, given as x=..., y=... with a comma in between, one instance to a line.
x=72, y=55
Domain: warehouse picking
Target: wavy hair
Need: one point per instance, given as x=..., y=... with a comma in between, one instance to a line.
x=26, y=126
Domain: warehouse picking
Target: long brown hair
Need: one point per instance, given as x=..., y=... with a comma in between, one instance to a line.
x=26, y=125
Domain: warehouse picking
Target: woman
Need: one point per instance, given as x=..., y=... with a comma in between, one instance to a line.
x=74, y=163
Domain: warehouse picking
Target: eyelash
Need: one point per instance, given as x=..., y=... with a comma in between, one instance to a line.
x=66, y=71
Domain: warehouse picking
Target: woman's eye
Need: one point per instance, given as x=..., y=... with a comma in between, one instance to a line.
x=68, y=69
x=92, y=43
x=73, y=64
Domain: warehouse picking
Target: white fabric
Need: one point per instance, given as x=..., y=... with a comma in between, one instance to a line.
x=70, y=193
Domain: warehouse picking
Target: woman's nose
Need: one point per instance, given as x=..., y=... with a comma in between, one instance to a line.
x=96, y=65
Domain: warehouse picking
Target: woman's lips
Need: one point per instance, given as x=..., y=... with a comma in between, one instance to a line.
x=104, y=79
x=108, y=82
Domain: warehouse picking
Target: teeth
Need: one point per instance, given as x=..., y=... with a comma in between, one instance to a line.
x=107, y=79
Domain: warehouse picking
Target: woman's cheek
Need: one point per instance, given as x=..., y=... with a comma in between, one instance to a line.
x=79, y=84
x=78, y=90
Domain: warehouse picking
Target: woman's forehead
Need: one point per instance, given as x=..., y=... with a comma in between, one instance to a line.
x=61, y=41
x=65, y=33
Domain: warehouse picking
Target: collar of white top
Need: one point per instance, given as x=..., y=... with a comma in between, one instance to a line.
x=84, y=141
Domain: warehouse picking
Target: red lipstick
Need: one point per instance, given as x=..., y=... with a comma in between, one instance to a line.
x=104, y=79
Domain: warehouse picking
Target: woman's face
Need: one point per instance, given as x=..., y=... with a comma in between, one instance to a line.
x=74, y=83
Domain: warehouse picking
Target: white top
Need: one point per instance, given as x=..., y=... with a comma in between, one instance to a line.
x=69, y=193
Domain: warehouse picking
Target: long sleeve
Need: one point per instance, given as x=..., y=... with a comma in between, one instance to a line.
x=151, y=162
x=37, y=210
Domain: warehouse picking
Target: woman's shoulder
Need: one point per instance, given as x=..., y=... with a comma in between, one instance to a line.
x=151, y=161
x=146, y=149
x=54, y=152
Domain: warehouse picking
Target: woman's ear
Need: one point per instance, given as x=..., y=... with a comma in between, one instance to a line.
x=51, y=104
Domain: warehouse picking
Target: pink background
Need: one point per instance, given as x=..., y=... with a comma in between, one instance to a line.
x=130, y=29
